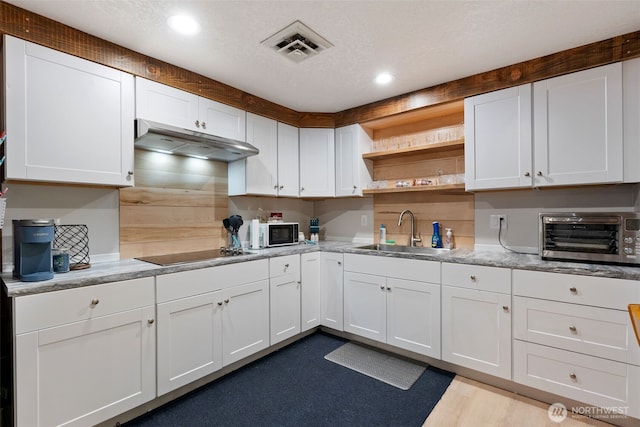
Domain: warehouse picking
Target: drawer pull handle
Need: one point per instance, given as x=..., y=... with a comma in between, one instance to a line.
x=286, y=266
x=382, y=287
x=220, y=303
x=573, y=376
x=150, y=321
x=95, y=301
x=339, y=262
x=573, y=329
x=573, y=290
x=226, y=301
x=505, y=308
x=388, y=288
x=473, y=278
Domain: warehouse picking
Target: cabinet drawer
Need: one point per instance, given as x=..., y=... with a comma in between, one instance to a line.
x=477, y=277
x=587, y=290
x=40, y=311
x=594, y=331
x=584, y=378
x=401, y=268
x=194, y=282
x=284, y=265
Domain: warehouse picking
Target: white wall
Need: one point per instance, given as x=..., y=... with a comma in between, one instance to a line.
x=95, y=207
x=523, y=206
x=250, y=207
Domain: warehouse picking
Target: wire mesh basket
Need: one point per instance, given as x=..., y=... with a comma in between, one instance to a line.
x=74, y=239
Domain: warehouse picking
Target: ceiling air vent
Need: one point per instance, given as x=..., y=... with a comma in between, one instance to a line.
x=297, y=42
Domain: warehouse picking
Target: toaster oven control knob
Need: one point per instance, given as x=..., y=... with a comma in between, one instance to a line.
x=628, y=251
x=628, y=240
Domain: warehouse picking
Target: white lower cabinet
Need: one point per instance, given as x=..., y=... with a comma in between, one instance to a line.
x=331, y=292
x=573, y=337
x=383, y=301
x=285, y=289
x=84, y=355
x=245, y=320
x=310, y=294
x=476, y=318
x=189, y=340
x=209, y=318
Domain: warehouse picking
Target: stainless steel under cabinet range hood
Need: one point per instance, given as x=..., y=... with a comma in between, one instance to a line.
x=169, y=139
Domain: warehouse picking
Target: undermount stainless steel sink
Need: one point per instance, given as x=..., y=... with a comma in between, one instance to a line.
x=404, y=249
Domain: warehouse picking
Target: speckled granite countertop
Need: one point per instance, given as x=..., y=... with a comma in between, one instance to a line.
x=132, y=268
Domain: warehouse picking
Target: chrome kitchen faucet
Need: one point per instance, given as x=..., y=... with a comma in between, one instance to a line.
x=412, y=240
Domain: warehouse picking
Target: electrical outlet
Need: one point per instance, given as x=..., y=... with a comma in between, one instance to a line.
x=494, y=221
x=363, y=220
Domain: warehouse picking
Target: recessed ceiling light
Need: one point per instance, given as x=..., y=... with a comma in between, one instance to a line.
x=183, y=24
x=383, y=78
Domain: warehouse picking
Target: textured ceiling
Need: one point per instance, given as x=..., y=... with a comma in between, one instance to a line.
x=422, y=43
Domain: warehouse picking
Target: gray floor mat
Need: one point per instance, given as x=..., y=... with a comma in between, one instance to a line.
x=376, y=364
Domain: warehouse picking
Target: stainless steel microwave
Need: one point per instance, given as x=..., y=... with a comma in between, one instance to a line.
x=601, y=237
x=278, y=234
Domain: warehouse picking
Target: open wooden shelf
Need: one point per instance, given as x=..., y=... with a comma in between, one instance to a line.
x=428, y=148
x=456, y=188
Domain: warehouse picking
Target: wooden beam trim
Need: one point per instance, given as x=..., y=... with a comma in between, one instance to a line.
x=47, y=32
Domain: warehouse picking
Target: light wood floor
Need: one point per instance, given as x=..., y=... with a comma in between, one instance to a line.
x=468, y=403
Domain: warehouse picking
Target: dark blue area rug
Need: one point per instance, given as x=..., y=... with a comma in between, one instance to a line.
x=296, y=386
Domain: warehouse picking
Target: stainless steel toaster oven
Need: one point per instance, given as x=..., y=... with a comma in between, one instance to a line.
x=607, y=237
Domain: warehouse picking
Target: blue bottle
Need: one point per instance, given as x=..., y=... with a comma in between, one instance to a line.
x=436, y=240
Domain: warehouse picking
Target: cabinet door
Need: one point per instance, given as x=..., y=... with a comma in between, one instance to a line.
x=85, y=372
x=288, y=170
x=262, y=170
x=67, y=119
x=284, y=308
x=165, y=104
x=245, y=320
x=497, y=139
x=221, y=119
x=631, y=119
x=413, y=316
x=284, y=296
x=365, y=305
x=476, y=330
x=353, y=173
x=189, y=340
x=311, y=290
x=332, y=291
x=317, y=163
x=578, y=127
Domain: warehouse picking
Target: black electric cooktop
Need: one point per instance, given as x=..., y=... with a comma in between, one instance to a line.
x=186, y=257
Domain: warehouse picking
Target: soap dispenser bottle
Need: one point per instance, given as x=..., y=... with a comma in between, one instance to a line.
x=383, y=234
x=436, y=240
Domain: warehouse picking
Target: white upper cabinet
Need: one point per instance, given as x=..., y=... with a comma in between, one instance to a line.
x=497, y=139
x=317, y=162
x=171, y=106
x=260, y=172
x=288, y=171
x=166, y=104
x=572, y=125
x=67, y=119
x=274, y=171
x=353, y=173
x=578, y=127
x=631, y=119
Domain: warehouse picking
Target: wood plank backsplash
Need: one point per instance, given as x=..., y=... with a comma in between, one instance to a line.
x=453, y=210
x=177, y=205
